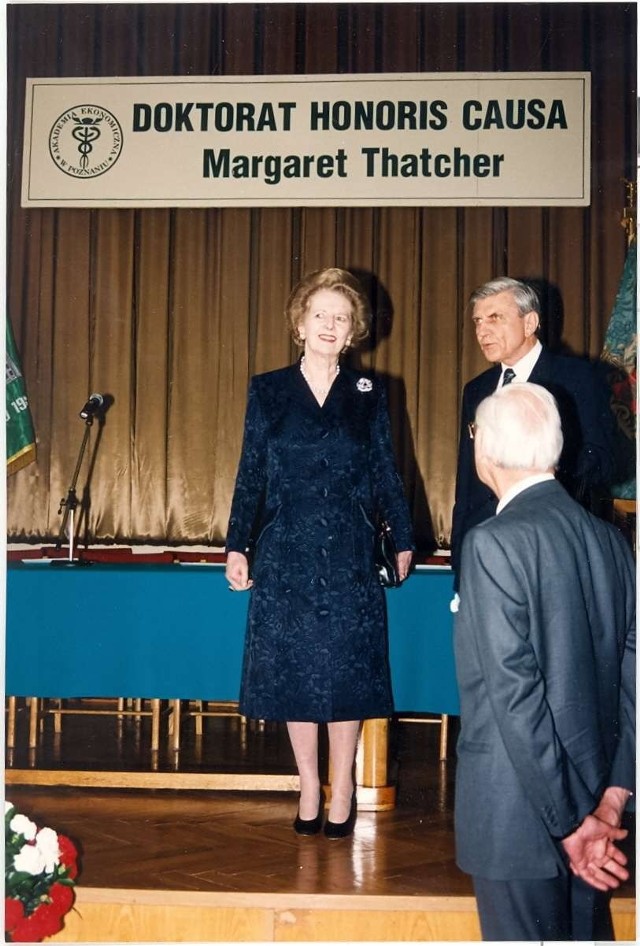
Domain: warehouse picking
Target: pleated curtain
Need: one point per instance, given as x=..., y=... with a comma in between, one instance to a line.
x=170, y=311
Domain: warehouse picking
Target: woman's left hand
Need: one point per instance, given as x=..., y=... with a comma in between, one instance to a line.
x=404, y=563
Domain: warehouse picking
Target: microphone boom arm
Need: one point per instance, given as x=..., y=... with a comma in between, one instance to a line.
x=70, y=502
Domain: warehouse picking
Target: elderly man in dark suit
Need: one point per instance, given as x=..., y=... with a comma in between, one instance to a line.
x=506, y=315
x=545, y=658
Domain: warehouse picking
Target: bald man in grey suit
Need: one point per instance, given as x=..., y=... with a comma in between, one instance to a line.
x=545, y=657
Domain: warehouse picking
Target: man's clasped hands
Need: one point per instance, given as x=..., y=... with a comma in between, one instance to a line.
x=591, y=850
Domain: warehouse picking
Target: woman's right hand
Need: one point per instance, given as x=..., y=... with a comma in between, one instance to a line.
x=237, y=572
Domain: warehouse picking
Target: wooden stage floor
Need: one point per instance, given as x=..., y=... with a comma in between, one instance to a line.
x=239, y=849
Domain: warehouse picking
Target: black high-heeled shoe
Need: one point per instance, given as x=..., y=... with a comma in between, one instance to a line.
x=311, y=825
x=342, y=829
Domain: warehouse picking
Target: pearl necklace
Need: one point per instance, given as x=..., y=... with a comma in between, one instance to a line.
x=320, y=392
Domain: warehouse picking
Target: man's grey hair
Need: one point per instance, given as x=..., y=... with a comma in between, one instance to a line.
x=519, y=428
x=525, y=297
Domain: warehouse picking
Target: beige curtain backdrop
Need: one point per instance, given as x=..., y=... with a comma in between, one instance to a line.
x=171, y=311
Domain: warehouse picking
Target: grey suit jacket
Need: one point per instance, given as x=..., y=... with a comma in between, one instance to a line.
x=545, y=658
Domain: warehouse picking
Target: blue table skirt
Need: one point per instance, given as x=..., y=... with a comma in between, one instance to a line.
x=176, y=632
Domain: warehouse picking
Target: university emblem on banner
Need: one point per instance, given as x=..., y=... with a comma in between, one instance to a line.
x=85, y=141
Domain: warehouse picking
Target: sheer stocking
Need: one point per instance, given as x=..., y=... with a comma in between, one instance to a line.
x=304, y=742
x=343, y=741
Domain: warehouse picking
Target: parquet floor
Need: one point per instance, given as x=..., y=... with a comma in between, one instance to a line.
x=243, y=841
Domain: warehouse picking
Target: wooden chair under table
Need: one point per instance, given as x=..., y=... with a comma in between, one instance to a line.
x=441, y=720
x=39, y=707
x=197, y=709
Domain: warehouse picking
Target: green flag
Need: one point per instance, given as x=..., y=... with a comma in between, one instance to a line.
x=620, y=351
x=21, y=442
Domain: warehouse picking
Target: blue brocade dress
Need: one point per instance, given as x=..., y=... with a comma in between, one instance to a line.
x=311, y=483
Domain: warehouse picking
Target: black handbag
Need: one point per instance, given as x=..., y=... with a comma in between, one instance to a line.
x=386, y=557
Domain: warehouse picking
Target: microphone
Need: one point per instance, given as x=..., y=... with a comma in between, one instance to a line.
x=93, y=405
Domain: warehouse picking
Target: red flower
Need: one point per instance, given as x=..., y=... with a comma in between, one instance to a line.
x=68, y=855
x=48, y=900
x=44, y=921
x=62, y=897
x=13, y=912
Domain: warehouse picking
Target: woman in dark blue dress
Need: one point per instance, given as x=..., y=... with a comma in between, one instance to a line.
x=316, y=472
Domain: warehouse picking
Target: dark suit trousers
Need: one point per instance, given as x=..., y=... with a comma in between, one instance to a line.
x=559, y=908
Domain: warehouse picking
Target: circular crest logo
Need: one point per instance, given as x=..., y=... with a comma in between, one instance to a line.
x=85, y=141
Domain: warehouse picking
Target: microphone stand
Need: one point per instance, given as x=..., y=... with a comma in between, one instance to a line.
x=70, y=503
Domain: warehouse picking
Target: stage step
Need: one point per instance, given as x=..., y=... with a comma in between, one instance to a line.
x=104, y=915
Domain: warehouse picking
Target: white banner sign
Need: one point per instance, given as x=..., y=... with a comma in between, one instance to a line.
x=269, y=141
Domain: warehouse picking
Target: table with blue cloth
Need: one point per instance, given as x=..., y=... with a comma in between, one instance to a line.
x=175, y=632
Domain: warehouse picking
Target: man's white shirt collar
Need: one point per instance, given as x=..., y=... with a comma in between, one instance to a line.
x=517, y=488
x=520, y=487
x=524, y=367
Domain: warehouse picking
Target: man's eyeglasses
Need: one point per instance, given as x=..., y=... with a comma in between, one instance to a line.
x=471, y=430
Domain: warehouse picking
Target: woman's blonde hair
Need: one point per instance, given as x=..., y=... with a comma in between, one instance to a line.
x=337, y=280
